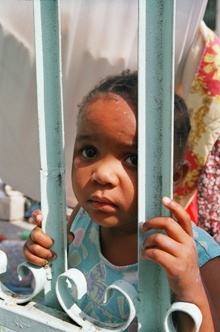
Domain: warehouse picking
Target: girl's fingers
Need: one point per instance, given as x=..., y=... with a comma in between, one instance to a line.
x=164, y=259
x=180, y=213
x=31, y=258
x=37, y=217
x=40, y=238
x=70, y=237
x=36, y=249
x=175, y=229
x=162, y=242
x=169, y=225
x=37, y=257
x=36, y=254
x=159, y=245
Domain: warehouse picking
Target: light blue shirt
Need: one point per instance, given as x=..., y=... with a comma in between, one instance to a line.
x=85, y=255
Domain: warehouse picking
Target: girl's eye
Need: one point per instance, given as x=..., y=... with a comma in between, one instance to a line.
x=89, y=152
x=132, y=159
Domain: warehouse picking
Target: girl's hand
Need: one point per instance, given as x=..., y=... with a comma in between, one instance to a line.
x=36, y=249
x=175, y=251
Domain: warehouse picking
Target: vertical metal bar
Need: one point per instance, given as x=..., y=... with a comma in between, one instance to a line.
x=217, y=30
x=156, y=67
x=49, y=94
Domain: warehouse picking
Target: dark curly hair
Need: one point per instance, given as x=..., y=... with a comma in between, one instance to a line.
x=124, y=85
x=182, y=128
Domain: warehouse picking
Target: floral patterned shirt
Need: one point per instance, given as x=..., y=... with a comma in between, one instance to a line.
x=209, y=193
x=85, y=255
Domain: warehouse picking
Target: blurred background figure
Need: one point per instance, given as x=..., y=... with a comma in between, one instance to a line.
x=209, y=193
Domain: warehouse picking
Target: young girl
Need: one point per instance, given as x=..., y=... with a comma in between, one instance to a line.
x=104, y=224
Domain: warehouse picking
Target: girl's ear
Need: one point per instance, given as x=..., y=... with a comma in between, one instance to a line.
x=180, y=174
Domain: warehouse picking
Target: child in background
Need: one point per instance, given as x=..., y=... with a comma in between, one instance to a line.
x=103, y=227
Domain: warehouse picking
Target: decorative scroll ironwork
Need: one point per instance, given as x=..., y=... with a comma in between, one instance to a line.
x=71, y=286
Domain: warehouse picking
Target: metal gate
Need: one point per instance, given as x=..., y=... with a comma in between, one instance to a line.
x=151, y=303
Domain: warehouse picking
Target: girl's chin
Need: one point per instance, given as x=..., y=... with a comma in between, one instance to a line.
x=103, y=219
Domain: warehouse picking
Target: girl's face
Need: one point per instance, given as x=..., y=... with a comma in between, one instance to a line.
x=104, y=170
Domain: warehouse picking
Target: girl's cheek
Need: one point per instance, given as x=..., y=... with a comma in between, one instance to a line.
x=76, y=162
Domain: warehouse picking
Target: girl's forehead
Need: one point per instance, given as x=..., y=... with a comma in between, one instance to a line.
x=108, y=105
x=109, y=115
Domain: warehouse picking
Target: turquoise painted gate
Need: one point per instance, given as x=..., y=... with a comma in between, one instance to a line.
x=152, y=303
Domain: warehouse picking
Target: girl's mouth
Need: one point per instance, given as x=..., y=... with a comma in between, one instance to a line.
x=102, y=205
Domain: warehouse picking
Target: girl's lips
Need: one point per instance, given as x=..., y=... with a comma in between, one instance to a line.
x=102, y=205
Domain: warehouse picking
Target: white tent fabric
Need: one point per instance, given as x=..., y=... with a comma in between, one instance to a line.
x=99, y=37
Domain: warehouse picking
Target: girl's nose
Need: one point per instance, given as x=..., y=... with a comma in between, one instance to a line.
x=105, y=174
